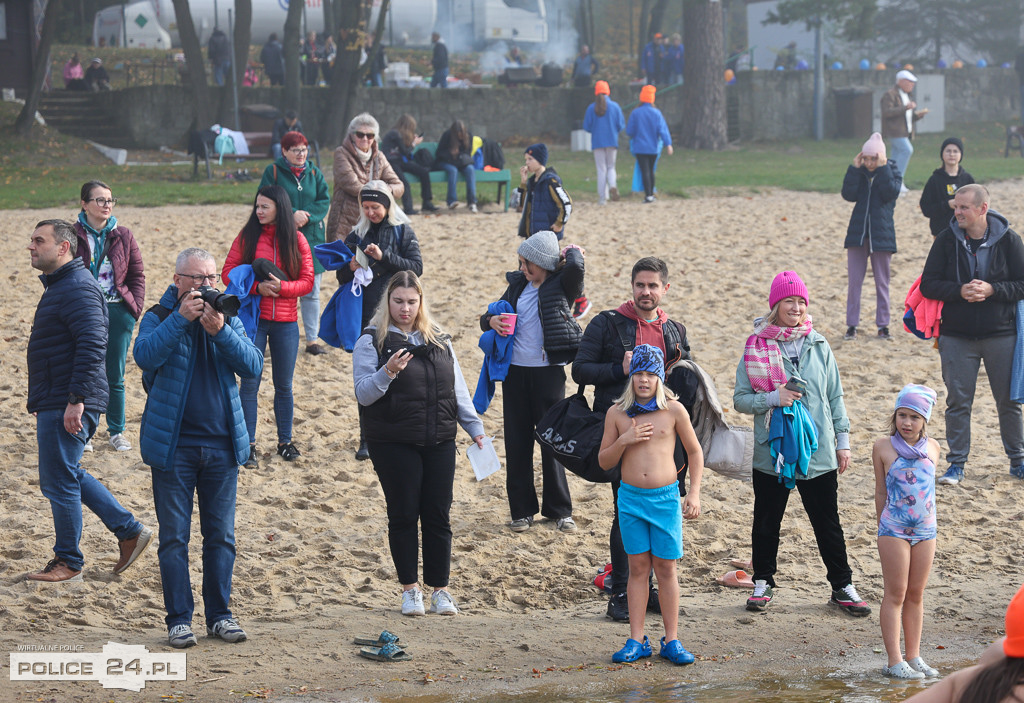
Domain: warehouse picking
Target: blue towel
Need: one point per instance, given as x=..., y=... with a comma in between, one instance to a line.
x=341, y=320
x=792, y=439
x=242, y=280
x=497, y=358
x=1017, y=370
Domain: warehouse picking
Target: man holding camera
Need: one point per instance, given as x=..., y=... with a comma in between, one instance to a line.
x=193, y=438
x=67, y=391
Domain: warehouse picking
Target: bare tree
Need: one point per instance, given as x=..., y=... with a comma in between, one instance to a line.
x=704, y=124
x=195, y=64
x=242, y=38
x=378, y=32
x=657, y=17
x=352, y=17
x=292, y=65
x=23, y=125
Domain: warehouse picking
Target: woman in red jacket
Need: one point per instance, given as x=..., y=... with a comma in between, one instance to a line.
x=270, y=234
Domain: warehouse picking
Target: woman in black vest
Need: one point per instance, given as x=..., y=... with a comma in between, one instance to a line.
x=546, y=338
x=413, y=394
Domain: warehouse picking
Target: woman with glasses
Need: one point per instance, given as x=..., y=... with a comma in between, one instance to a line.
x=310, y=200
x=112, y=255
x=357, y=162
x=270, y=234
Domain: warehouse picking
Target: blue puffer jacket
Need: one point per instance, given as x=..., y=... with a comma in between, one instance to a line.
x=163, y=350
x=68, y=345
x=646, y=124
x=546, y=205
x=875, y=199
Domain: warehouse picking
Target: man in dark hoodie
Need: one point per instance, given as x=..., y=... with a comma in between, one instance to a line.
x=976, y=267
x=937, y=196
x=544, y=203
x=602, y=361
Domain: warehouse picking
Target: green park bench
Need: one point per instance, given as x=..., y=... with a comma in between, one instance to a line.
x=503, y=177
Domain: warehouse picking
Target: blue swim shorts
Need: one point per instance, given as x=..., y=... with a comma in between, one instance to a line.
x=651, y=520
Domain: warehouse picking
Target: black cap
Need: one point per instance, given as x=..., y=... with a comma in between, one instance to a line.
x=956, y=142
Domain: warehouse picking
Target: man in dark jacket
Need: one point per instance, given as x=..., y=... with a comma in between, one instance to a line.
x=439, y=62
x=602, y=361
x=193, y=439
x=272, y=58
x=67, y=391
x=976, y=267
x=219, y=51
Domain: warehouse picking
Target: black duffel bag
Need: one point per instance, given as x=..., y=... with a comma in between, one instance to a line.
x=573, y=432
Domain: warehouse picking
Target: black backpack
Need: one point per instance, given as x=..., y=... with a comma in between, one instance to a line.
x=493, y=155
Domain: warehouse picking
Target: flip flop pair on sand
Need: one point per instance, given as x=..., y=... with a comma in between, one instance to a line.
x=738, y=578
x=383, y=648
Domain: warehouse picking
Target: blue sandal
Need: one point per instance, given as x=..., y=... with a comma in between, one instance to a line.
x=384, y=638
x=675, y=653
x=632, y=651
x=390, y=652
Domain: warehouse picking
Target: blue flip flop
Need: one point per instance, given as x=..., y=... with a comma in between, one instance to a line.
x=675, y=653
x=390, y=652
x=384, y=638
x=632, y=651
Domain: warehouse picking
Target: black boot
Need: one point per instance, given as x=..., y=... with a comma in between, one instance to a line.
x=363, y=453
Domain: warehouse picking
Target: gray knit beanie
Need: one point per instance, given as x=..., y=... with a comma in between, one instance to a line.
x=541, y=249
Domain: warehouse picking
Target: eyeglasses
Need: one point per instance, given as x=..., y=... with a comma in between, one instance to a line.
x=299, y=150
x=103, y=202
x=199, y=278
x=364, y=135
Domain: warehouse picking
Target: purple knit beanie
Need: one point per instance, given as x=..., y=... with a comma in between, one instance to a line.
x=787, y=284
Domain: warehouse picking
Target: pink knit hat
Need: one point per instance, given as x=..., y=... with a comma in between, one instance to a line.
x=787, y=284
x=874, y=145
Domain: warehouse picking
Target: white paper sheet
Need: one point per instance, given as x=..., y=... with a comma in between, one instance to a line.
x=484, y=461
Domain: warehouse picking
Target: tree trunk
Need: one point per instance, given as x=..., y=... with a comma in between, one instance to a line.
x=292, y=65
x=378, y=32
x=23, y=125
x=195, y=65
x=703, y=85
x=657, y=17
x=242, y=39
x=350, y=37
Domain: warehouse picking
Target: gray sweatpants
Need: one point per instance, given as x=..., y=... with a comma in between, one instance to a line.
x=961, y=360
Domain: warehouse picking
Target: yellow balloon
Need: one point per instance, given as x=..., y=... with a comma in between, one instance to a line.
x=729, y=75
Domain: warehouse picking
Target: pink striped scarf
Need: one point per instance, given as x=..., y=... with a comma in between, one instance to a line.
x=762, y=356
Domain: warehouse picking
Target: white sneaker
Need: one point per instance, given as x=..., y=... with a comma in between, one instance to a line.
x=88, y=446
x=120, y=442
x=566, y=524
x=472, y=207
x=441, y=603
x=412, y=602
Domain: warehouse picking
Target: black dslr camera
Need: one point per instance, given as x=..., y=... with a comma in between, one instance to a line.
x=221, y=302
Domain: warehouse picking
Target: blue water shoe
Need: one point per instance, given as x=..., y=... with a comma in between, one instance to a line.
x=632, y=651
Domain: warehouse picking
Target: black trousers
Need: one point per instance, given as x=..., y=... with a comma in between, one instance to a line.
x=417, y=484
x=527, y=393
x=820, y=497
x=423, y=174
x=646, y=164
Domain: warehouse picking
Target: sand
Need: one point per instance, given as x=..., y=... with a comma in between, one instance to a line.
x=313, y=568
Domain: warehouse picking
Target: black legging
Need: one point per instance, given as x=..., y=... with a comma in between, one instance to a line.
x=646, y=164
x=423, y=174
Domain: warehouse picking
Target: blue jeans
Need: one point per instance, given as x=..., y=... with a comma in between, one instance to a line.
x=453, y=176
x=220, y=71
x=67, y=485
x=211, y=475
x=310, y=306
x=439, y=79
x=276, y=148
x=283, y=338
x=902, y=150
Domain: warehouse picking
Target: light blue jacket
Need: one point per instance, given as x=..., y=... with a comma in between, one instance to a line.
x=164, y=351
x=646, y=124
x=823, y=402
x=604, y=130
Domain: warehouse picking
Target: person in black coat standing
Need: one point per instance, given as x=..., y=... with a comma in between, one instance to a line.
x=67, y=391
x=937, y=196
x=439, y=62
x=546, y=337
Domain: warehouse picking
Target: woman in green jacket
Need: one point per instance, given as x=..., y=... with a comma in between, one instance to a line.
x=786, y=362
x=310, y=198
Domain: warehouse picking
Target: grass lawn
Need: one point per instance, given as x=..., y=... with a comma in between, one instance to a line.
x=48, y=170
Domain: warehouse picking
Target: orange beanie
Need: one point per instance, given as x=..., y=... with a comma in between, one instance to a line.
x=1013, y=646
x=601, y=88
x=647, y=94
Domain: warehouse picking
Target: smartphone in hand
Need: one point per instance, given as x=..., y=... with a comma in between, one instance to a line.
x=795, y=383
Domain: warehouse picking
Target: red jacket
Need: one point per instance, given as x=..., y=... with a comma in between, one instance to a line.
x=283, y=308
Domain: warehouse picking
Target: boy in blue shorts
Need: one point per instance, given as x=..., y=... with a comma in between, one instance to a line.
x=640, y=432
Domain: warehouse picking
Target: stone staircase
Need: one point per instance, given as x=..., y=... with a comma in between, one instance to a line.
x=83, y=115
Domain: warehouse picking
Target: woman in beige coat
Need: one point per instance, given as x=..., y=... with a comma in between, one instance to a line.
x=357, y=161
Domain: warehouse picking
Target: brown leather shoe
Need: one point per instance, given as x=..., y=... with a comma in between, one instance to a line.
x=316, y=349
x=56, y=571
x=613, y=194
x=132, y=549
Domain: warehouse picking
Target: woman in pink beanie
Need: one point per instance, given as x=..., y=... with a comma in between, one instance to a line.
x=787, y=364
x=872, y=183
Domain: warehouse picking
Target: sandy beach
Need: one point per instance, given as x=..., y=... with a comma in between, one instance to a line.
x=313, y=569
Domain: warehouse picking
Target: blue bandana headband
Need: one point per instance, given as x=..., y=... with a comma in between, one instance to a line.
x=648, y=358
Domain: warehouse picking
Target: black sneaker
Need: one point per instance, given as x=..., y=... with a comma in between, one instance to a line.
x=618, y=607
x=851, y=333
x=846, y=598
x=429, y=207
x=288, y=451
x=761, y=597
x=252, y=462
x=363, y=453
x=653, y=602
x=883, y=333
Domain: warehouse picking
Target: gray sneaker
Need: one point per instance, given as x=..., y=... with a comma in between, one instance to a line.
x=566, y=524
x=120, y=442
x=228, y=630
x=441, y=603
x=522, y=524
x=181, y=636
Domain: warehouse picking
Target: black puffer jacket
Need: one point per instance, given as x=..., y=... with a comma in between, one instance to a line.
x=67, y=349
x=554, y=297
x=400, y=251
x=874, y=197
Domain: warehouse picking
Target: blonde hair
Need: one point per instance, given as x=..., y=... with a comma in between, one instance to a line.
x=424, y=323
x=661, y=396
x=773, y=316
x=396, y=216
